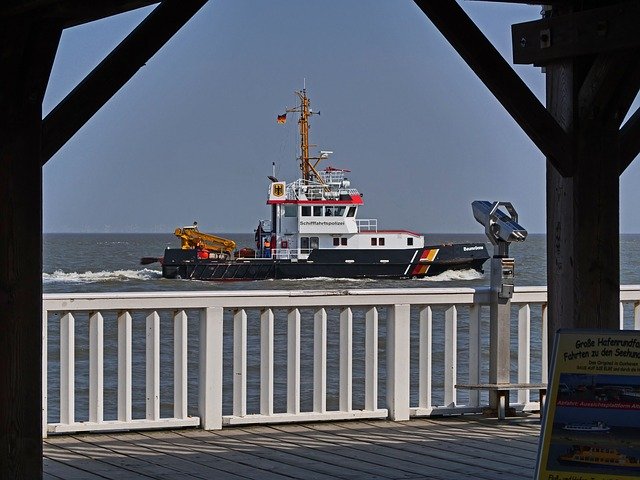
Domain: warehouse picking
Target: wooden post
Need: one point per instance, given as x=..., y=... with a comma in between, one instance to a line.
x=583, y=264
x=27, y=49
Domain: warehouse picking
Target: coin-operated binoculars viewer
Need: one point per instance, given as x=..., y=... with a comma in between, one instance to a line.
x=501, y=229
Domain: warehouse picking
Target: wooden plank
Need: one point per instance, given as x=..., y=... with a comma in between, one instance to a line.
x=398, y=449
x=211, y=450
x=456, y=447
x=433, y=443
x=235, y=445
x=378, y=453
x=107, y=452
x=164, y=456
x=70, y=452
x=367, y=455
x=192, y=457
x=472, y=441
x=328, y=452
x=65, y=471
x=309, y=455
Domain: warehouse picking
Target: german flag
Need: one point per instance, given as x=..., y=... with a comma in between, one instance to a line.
x=282, y=118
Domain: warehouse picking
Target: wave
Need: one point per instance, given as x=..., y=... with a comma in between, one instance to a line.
x=327, y=279
x=452, y=276
x=103, y=276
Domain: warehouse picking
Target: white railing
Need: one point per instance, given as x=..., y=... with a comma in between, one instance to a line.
x=286, y=253
x=164, y=360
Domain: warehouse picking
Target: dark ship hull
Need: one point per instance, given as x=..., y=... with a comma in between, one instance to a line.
x=388, y=263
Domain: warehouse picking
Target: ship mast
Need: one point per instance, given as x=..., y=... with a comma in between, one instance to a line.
x=307, y=168
x=303, y=124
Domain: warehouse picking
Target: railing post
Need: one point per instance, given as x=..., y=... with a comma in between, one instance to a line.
x=320, y=361
x=266, y=362
x=240, y=363
x=124, y=366
x=211, y=361
x=425, y=351
x=180, y=388
x=371, y=360
x=398, y=361
x=524, y=351
x=346, y=360
x=96, y=367
x=544, y=356
x=153, y=367
x=475, y=353
x=67, y=369
x=293, y=361
x=450, y=355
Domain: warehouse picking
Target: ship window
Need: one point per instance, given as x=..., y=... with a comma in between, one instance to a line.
x=290, y=210
x=351, y=212
x=336, y=241
x=343, y=241
x=339, y=211
x=314, y=242
x=381, y=241
x=374, y=242
x=304, y=243
x=317, y=211
x=409, y=241
x=306, y=211
x=328, y=211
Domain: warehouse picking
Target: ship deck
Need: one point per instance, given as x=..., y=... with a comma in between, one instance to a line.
x=443, y=448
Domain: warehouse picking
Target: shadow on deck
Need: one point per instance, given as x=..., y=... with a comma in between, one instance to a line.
x=443, y=448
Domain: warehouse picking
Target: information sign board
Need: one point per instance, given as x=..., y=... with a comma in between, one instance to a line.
x=591, y=423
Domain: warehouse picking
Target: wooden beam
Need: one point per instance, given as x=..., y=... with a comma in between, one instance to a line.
x=70, y=12
x=629, y=141
x=27, y=51
x=77, y=12
x=531, y=2
x=501, y=80
x=610, y=87
x=113, y=72
x=580, y=33
x=607, y=94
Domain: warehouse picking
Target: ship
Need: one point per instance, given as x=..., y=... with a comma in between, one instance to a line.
x=598, y=456
x=630, y=395
x=593, y=427
x=314, y=230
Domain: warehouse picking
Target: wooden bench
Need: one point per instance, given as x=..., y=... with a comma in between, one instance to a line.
x=502, y=390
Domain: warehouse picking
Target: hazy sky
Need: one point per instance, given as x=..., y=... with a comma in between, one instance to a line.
x=193, y=134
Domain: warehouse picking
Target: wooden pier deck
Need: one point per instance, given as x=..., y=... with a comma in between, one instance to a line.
x=445, y=448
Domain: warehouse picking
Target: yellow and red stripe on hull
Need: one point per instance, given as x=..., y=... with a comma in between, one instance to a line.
x=424, y=262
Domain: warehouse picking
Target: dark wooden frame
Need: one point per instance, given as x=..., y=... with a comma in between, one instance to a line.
x=29, y=35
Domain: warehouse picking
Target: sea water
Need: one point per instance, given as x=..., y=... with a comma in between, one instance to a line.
x=92, y=263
